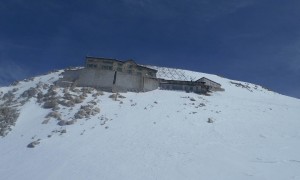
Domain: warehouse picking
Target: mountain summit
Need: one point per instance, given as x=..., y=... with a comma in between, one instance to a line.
x=52, y=132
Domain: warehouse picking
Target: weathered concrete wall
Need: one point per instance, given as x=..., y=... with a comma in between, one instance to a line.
x=104, y=79
x=72, y=75
x=69, y=78
x=150, y=84
x=95, y=78
x=127, y=82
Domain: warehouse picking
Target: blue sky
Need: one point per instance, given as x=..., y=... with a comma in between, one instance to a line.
x=256, y=41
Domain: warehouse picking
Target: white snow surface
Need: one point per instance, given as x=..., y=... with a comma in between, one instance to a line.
x=160, y=135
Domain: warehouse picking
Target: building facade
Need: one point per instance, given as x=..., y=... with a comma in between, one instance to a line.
x=111, y=75
x=187, y=86
x=129, y=67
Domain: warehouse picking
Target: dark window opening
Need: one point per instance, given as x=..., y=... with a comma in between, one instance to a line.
x=108, y=62
x=107, y=67
x=91, y=65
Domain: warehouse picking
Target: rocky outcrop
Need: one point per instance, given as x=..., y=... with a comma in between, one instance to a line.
x=8, y=118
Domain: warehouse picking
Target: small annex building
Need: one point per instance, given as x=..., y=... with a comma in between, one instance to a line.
x=212, y=85
x=187, y=86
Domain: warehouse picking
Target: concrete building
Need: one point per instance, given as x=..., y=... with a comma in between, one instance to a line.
x=111, y=75
x=121, y=76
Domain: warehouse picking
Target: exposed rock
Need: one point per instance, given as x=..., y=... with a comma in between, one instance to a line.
x=50, y=104
x=50, y=93
x=8, y=117
x=67, y=103
x=9, y=96
x=56, y=108
x=46, y=121
x=71, y=122
x=53, y=87
x=98, y=93
x=15, y=89
x=86, y=111
x=201, y=104
x=75, y=90
x=93, y=103
x=64, y=122
x=40, y=95
x=80, y=114
x=68, y=96
x=66, y=91
x=120, y=96
x=210, y=120
x=113, y=96
x=97, y=110
x=87, y=90
x=83, y=95
x=31, y=92
x=46, y=86
x=78, y=100
x=33, y=144
x=39, y=85
x=54, y=114
x=63, y=131
x=15, y=83
x=238, y=84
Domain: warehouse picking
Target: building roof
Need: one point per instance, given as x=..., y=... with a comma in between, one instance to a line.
x=179, y=82
x=207, y=79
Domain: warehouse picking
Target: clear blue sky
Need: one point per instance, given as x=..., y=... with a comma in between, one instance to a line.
x=256, y=41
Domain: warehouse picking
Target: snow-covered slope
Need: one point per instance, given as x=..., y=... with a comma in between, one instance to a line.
x=245, y=132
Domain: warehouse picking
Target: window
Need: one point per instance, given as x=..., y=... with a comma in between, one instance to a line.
x=150, y=73
x=108, y=62
x=119, y=69
x=107, y=67
x=91, y=65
